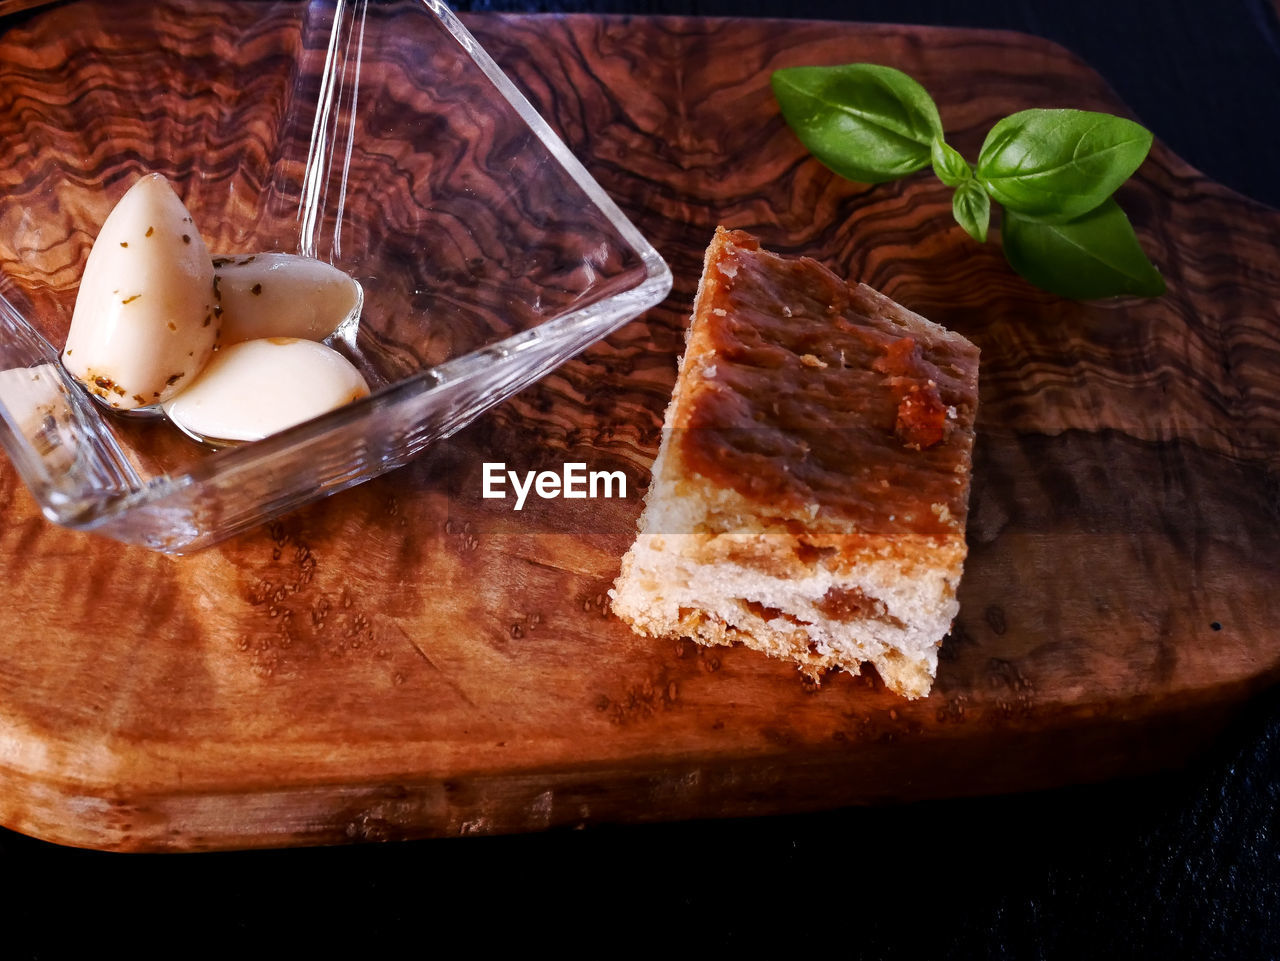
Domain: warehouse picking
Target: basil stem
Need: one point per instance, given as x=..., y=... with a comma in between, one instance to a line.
x=1059, y=164
x=1096, y=255
x=866, y=122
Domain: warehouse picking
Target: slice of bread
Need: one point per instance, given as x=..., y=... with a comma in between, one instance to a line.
x=810, y=493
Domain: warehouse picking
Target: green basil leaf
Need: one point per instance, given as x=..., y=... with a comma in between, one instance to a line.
x=1094, y=256
x=866, y=122
x=972, y=209
x=949, y=166
x=1059, y=164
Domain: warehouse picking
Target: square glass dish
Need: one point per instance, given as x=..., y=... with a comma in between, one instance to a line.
x=375, y=136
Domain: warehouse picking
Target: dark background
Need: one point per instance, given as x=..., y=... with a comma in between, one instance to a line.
x=1186, y=864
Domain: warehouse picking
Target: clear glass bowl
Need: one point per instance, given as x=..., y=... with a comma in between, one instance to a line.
x=376, y=136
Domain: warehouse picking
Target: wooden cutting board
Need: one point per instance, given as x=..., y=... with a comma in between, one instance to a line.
x=406, y=659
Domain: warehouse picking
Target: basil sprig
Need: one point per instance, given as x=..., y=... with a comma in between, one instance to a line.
x=1052, y=171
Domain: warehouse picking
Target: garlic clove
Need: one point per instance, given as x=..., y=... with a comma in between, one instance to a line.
x=145, y=320
x=256, y=388
x=282, y=295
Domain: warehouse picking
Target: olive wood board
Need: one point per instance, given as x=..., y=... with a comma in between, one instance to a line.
x=407, y=659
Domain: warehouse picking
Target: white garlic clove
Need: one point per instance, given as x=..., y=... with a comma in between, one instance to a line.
x=282, y=295
x=145, y=321
x=255, y=388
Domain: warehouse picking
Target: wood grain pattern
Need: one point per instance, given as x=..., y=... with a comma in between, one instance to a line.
x=16, y=6
x=407, y=659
